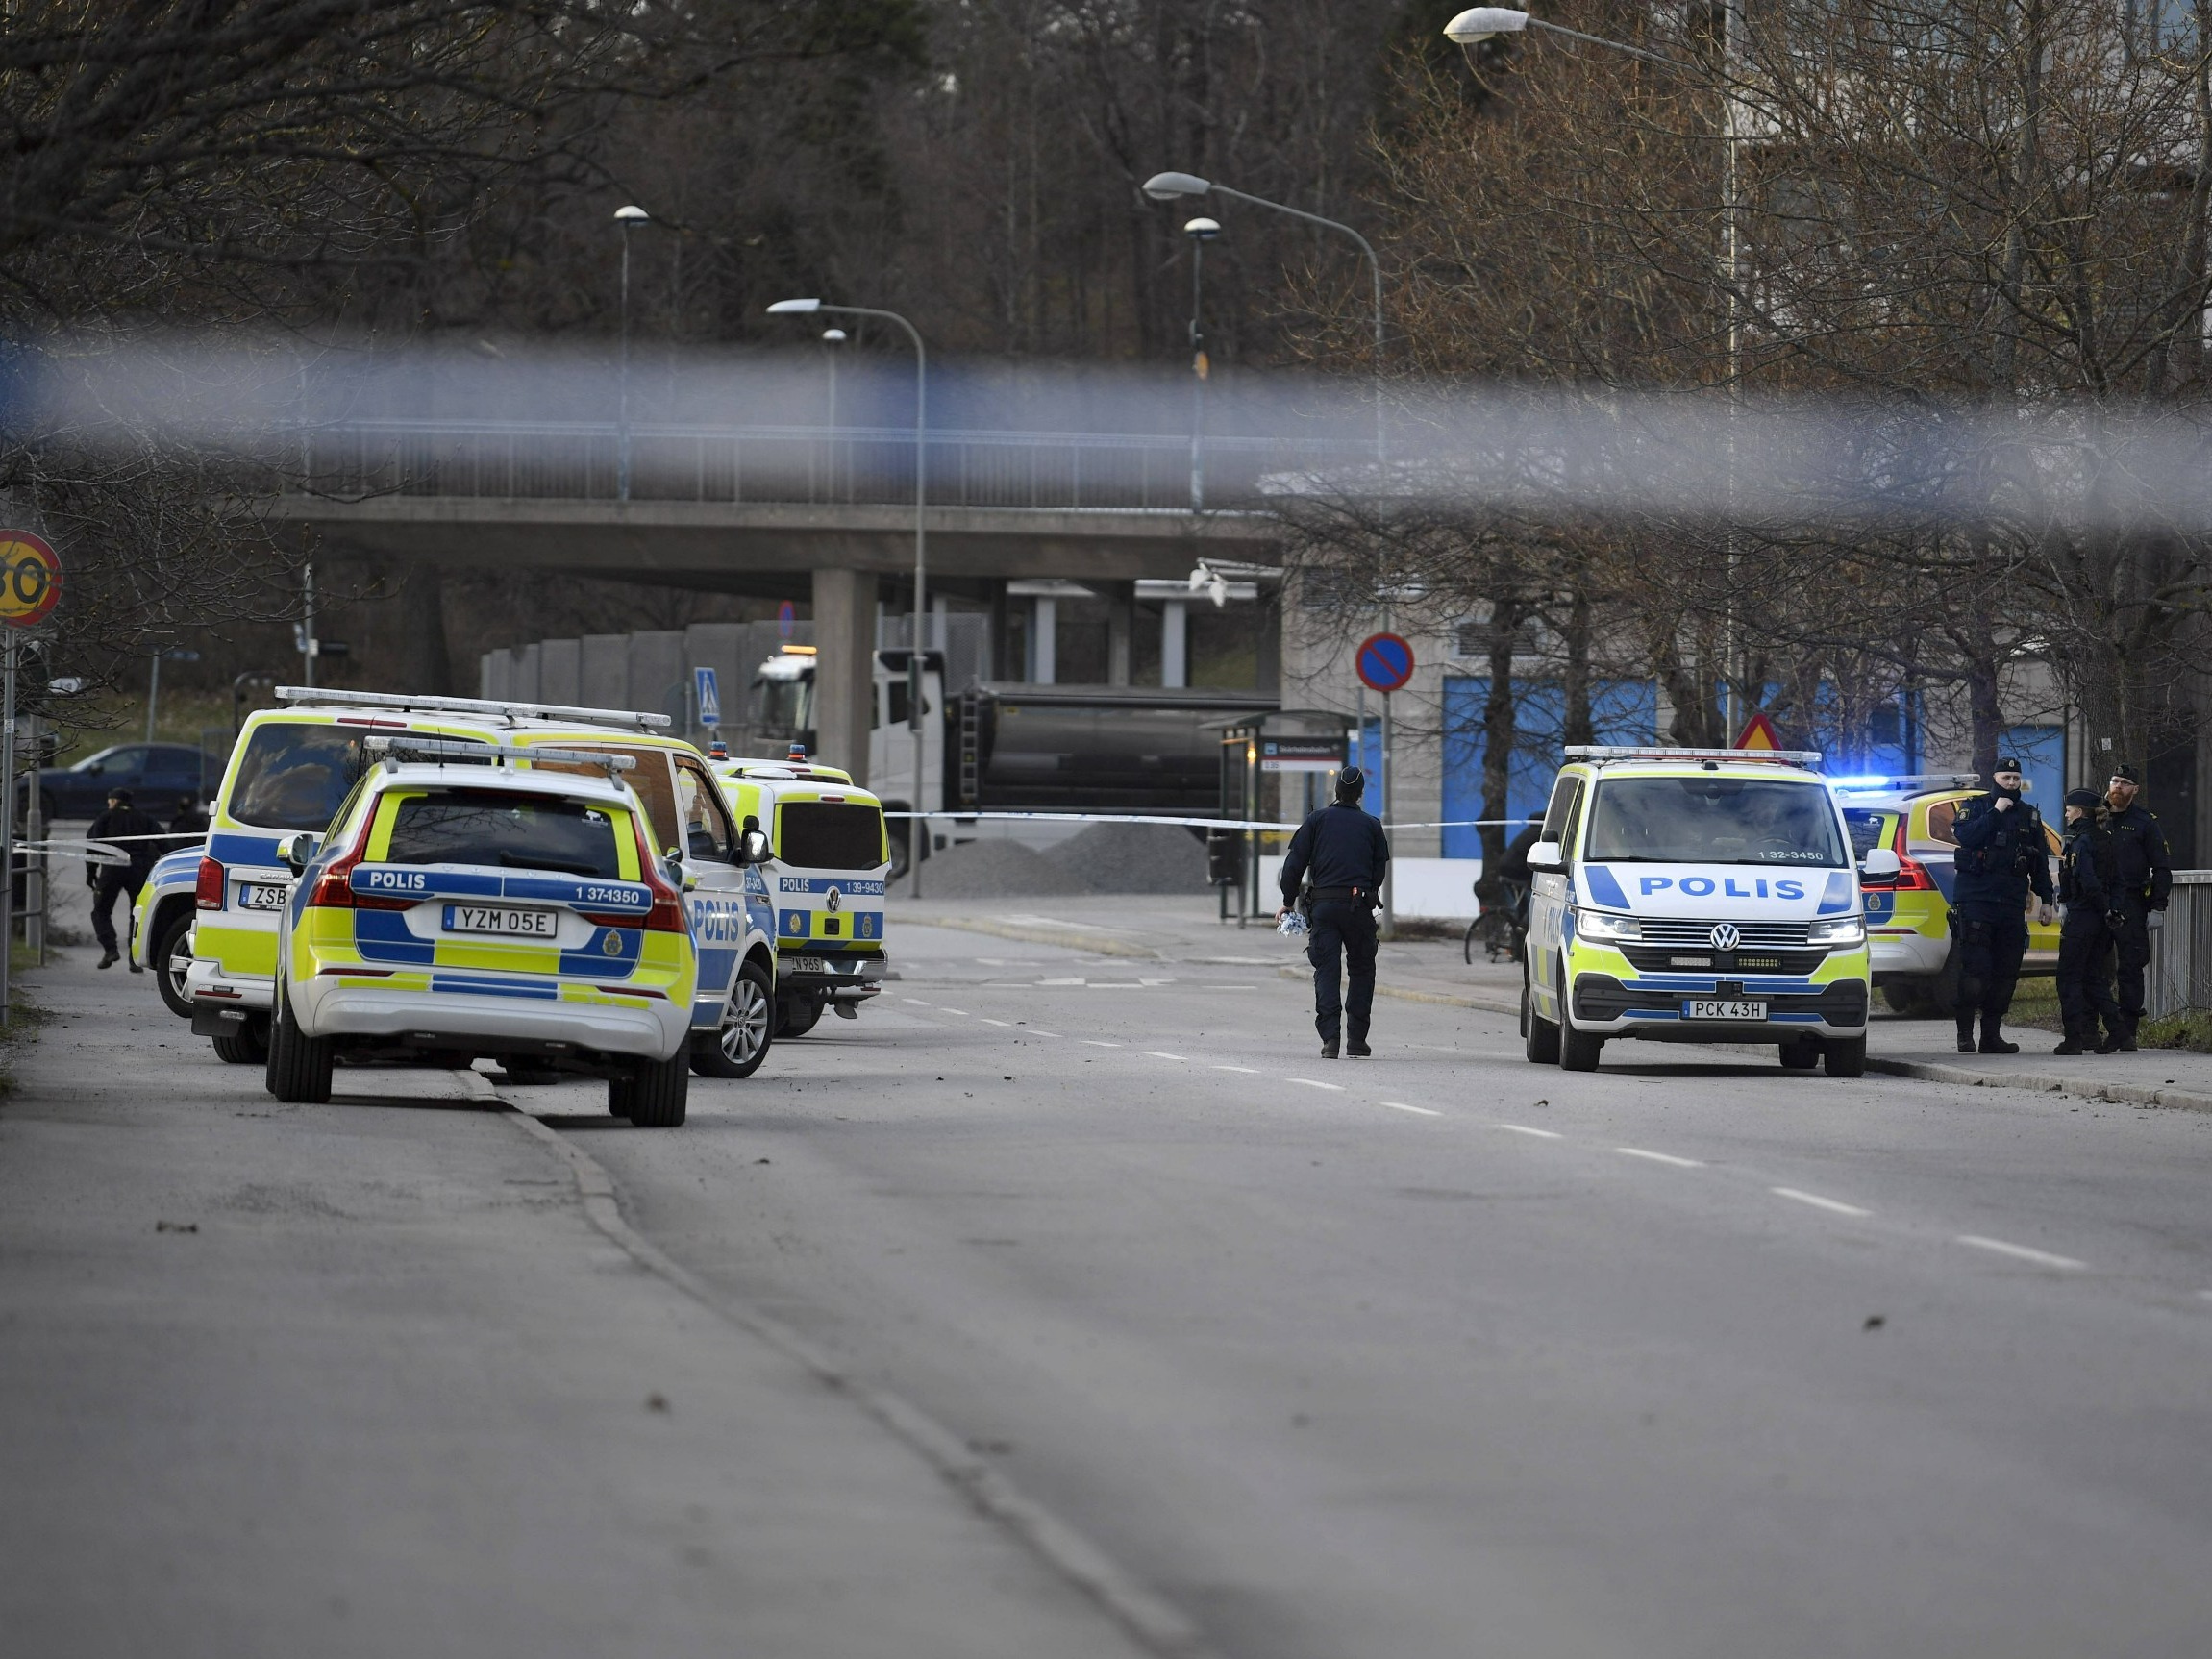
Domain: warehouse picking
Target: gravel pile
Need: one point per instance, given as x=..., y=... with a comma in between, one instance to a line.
x=996, y=870
x=1134, y=859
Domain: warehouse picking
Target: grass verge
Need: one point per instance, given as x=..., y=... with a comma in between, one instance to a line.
x=2191, y=1030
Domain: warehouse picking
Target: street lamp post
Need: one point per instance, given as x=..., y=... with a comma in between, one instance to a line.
x=1200, y=232
x=628, y=218
x=1472, y=27
x=832, y=339
x=809, y=307
x=1167, y=186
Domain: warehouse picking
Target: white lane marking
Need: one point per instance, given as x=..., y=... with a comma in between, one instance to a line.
x=919, y=1004
x=1316, y=1083
x=1660, y=1158
x=1525, y=1129
x=1040, y=1031
x=1248, y=1070
x=1818, y=1203
x=1096, y=1044
x=1155, y=1054
x=2018, y=1252
x=963, y=1012
x=1059, y=982
x=1402, y=1107
x=989, y=1021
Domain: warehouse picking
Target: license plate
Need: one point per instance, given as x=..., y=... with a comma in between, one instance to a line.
x=805, y=965
x=1724, y=1010
x=259, y=896
x=499, y=919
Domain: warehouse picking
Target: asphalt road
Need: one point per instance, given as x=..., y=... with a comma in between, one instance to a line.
x=1433, y=1354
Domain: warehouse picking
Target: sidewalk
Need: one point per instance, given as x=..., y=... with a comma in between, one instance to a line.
x=1180, y=930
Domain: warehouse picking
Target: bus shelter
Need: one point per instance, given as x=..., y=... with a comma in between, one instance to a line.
x=1275, y=769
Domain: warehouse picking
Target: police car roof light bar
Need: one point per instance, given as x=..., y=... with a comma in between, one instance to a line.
x=438, y=750
x=1604, y=752
x=641, y=721
x=1910, y=782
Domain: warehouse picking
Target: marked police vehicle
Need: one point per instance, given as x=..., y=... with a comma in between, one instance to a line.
x=161, y=919
x=829, y=859
x=293, y=765
x=1697, y=896
x=461, y=906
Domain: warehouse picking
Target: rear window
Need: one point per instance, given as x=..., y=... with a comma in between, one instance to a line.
x=504, y=830
x=822, y=836
x=1869, y=829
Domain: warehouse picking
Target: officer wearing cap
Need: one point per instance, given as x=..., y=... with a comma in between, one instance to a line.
x=2003, y=854
x=1348, y=855
x=2142, y=880
x=2085, y=880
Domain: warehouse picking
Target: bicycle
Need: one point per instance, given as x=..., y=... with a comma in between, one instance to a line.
x=1502, y=928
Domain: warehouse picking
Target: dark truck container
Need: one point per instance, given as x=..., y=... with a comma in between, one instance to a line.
x=1090, y=748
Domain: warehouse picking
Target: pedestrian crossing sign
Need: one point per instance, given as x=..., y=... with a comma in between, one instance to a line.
x=704, y=682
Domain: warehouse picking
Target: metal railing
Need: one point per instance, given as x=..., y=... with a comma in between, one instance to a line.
x=809, y=465
x=2180, y=972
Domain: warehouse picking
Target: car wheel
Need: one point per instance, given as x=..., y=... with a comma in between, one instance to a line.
x=247, y=1046
x=619, y=1090
x=1905, y=998
x=660, y=1090
x=299, y=1065
x=170, y=957
x=795, y=1019
x=1579, y=1050
x=1845, y=1056
x=740, y=1041
x=1541, y=1036
x=1800, y=1055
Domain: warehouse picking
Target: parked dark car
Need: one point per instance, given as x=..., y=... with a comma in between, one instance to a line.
x=156, y=773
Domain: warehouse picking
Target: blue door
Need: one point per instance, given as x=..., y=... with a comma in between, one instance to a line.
x=1621, y=710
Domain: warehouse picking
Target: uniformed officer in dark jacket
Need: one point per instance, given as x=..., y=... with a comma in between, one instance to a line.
x=2142, y=880
x=2086, y=870
x=1348, y=855
x=129, y=826
x=2003, y=854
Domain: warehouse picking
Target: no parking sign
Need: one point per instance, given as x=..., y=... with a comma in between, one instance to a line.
x=1385, y=662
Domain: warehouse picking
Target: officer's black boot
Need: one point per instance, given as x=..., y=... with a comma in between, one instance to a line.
x=1966, y=1032
x=2111, y=1043
x=2125, y=1036
x=2069, y=1044
x=1993, y=1037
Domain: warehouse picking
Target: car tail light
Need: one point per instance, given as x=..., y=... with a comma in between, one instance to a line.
x=1912, y=877
x=210, y=891
x=667, y=913
x=333, y=887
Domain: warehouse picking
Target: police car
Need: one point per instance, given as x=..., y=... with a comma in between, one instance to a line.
x=1908, y=915
x=461, y=908
x=1697, y=896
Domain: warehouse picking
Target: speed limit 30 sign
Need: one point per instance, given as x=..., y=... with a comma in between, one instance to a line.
x=30, y=578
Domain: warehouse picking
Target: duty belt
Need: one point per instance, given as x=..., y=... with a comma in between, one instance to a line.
x=1343, y=893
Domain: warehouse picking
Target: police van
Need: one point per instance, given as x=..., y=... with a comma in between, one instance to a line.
x=829, y=861
x=292, y=767
x=1697, y=896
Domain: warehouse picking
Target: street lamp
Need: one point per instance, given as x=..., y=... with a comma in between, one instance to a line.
x=811, y=307
x=1167, y=186
x=628, y=218
x=832, y=340
x=1200, y=232
x=1479, y=23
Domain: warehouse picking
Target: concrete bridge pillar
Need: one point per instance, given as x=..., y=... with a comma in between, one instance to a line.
x=844, y=668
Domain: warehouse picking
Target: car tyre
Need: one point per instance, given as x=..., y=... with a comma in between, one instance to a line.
x=1800, y=1055
x=795, y=1019
x=169, y=959
x=660, y=1090
x=299, y=1065
x=1540, y=1036
x=1578, y=1050
x=247, y=1046
x=748, y=1027
x=1845, y=1056
x=620, y=1091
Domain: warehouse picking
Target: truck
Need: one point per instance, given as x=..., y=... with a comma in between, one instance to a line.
x=1012, y=746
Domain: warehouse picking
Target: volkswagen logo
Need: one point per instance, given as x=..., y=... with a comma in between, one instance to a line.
x=836, y=900
x=1727, y=938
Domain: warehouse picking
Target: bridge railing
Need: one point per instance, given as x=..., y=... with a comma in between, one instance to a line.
x=813, y=466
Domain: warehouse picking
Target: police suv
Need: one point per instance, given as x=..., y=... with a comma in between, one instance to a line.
x=1697, y=896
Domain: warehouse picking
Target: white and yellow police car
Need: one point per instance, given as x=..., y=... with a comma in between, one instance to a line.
x=461, y=906
x=1697, y=896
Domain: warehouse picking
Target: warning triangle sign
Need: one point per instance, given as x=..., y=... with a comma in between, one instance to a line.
x=1758, y=732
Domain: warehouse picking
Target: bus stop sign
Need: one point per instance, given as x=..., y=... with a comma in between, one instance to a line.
x=1385, y=662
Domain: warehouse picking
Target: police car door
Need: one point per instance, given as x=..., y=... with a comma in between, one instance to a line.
x=1550, y=894
x=718, y=902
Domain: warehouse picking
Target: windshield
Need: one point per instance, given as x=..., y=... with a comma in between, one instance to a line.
x=504, y=830
x=819, y=835
x=1713, y=820
x=786, y=707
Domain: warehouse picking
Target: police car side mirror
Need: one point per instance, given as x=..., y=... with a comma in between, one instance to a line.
x=1545, y=855
x=295, y=852
x=1880, y=867
x=753, y=845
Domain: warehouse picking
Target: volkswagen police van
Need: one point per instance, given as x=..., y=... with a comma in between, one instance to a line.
x=1697, y=896
x=463, y=905
x=830, y=860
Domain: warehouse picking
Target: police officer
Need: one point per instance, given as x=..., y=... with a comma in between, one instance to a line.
x=2142, y=880
x=2001, y=854
x=1348, y=855
x=130, y=828
x=2085, y=875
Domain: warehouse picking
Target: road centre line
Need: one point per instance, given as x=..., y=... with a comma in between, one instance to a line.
x=1096, y=1043
x=1541, y=1134
x=1660, y=1158
x=1402, y=1107
x=1248, y=1070
x=1316, y=1083
x=1818, y=1203
x=1155, y=1054
x=919, y=1004
x=2018, y=1252
x=963, y=1012
x=1040, y=1031
x=989, y=1021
